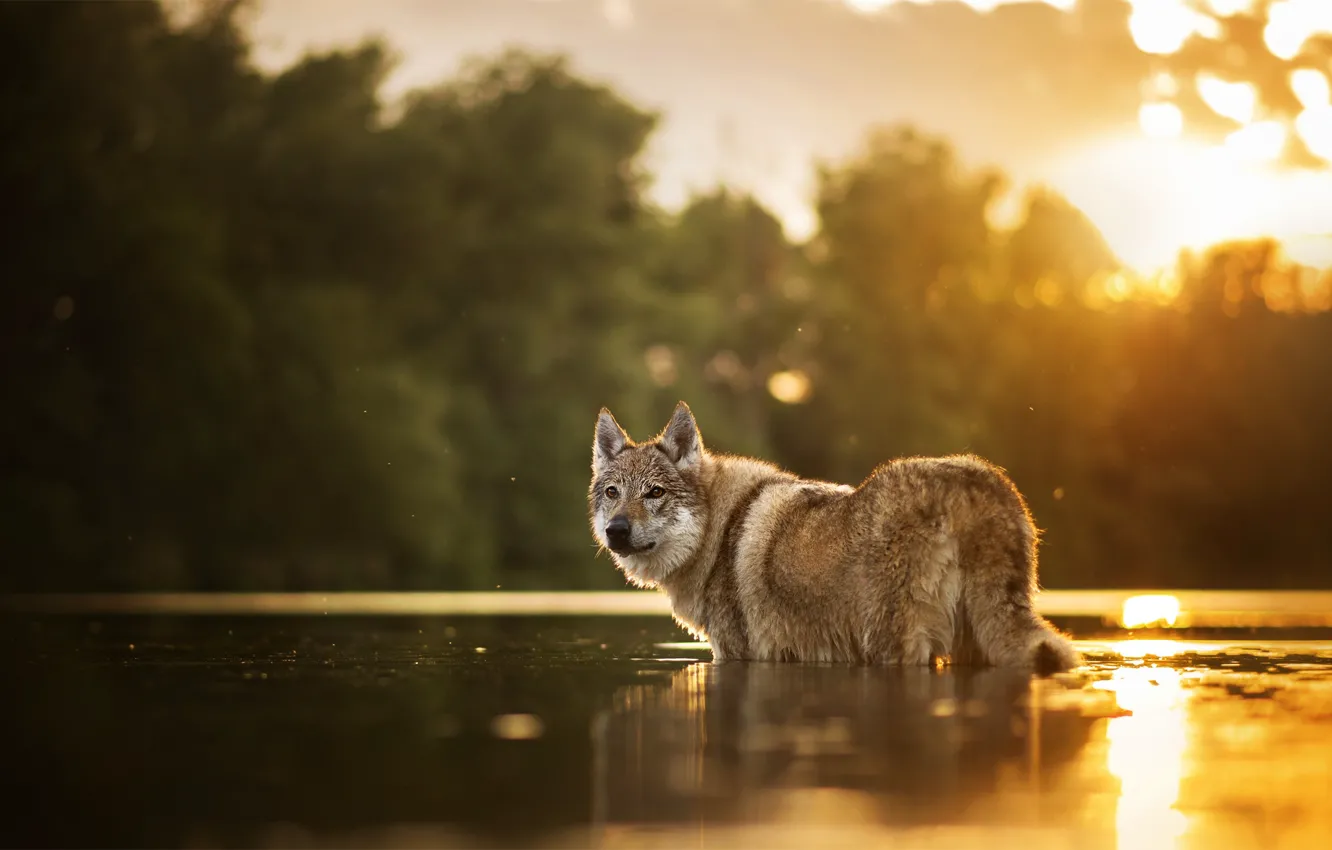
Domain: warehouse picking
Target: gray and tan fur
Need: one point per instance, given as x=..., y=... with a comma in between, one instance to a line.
x=928, y=559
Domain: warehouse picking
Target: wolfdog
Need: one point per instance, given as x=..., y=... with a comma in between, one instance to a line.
x=928, y=560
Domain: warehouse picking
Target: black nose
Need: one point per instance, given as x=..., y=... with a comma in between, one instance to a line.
x=617, y=532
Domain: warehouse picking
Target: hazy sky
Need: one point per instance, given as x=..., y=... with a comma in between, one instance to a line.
x=753, y=91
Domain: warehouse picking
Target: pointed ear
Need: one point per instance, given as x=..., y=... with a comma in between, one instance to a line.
x=681, y=440
x=608, y=441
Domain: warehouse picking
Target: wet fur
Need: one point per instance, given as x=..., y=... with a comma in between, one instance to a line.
x=928, y=559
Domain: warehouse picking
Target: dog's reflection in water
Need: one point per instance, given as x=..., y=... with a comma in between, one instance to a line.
x=738, y=742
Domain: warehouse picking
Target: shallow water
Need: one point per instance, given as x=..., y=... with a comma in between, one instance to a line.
x=616, y=732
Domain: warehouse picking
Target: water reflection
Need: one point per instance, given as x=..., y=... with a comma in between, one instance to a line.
x=830, y=748
x=1146, y=755
x=1135, y=751
x=395, y=732
x=1149, y=609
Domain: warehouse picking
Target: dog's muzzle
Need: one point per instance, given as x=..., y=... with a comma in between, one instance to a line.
x=618, y=532
x=619, y=535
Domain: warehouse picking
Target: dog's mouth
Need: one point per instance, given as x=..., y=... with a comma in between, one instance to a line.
x=628, y=549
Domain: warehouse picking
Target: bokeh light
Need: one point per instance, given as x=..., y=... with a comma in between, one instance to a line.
x=789, y=387
x=1315, y=129
x=1161, y=120
x=1291, y=23
x=1226, y=8
x=1263, y=141
x=1310, y=86
x=1162, y=26
x=1234, y=100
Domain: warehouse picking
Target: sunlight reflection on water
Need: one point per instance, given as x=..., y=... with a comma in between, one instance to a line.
x=801, y=755
x=1146, y=755
x=614, y=732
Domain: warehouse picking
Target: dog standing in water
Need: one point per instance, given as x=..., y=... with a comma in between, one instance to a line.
x=929, y=558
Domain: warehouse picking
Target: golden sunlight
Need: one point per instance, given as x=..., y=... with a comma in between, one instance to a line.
x=1008, y=210
x=1226, y=8
x=1291, y=23
x=1162, y=26
x=1259, y=142
x=870, y=6
x=1161, y=120
x=1149, y=609
x=1236, y=101
x=1137, y=649
x=1315, y=128
x=1152, y=197
x=1310, y=87
x=1147, y=755
x=1161, y=190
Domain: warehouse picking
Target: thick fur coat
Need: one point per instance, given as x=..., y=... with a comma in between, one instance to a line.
x=928, y=559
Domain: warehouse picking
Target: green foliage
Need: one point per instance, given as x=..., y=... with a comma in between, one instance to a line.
x=261, y=332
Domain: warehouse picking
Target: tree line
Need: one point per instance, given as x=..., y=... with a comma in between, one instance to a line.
x=267, y=331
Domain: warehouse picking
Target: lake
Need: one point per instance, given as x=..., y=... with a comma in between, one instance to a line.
x=466, y=730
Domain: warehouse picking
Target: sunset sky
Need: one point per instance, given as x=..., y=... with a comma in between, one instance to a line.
x=753, y=92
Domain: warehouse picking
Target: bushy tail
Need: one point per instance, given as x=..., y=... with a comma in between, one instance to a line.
x=999, y=580
x=1054, y=652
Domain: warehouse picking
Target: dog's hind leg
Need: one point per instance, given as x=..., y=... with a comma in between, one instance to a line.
x=913, y=604
x=998, y=565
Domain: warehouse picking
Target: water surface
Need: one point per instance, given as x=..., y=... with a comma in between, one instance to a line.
x=465, y=731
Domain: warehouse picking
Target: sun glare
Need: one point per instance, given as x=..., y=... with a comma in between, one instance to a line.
x=871, y=6
x=1315, y=129
x=1146, y=755
x=1163, y=190
x=1310, y=87
x=1260, y=142
x=1149, y=609
x=1157, y=193
x=1193, y=195
x=1236, y=101
x=1226, y=8
x=1291, y=23
x=1162, y=26
x=1161, y=120
x=1136, y=649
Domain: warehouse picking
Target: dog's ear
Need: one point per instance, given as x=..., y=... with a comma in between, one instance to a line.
x=609, y=440
x=681, y=440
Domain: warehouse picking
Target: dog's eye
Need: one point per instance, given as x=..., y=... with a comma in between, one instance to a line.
x=612, y=493
x=656, y=493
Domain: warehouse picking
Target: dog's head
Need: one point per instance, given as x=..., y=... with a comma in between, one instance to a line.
x=645, y=502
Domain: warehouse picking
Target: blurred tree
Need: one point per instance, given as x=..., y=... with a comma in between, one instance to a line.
x=903, y=234
x=188, y=403
x=528, y=301
x=113, y=274
x=261, y=332
x=1054, y=253
x=725, y=310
